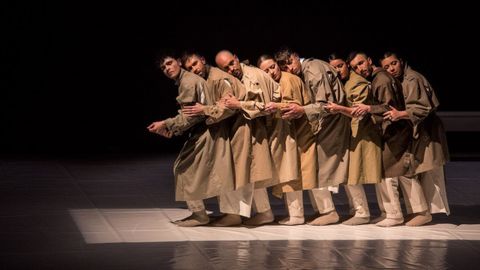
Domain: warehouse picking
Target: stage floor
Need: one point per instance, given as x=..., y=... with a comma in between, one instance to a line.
x=115, y=213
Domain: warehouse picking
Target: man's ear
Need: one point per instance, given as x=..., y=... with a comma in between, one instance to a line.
x=202, y=59
x=179, y=61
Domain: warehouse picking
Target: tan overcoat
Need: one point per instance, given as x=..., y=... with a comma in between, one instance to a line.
x=332, y=130
x=396, y=137
x=260, y=89
x=294, y=91
x=203, y=168
x=240, y=128
x=366, y=141
x=429, y=146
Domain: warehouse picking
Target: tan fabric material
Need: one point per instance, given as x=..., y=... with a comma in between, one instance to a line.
x=388, y=198
x=191, y=89
x=358, y=200
x=261, y=202
x=237, y=202
x=282, y=134
x=221, y=84
x=283, y=147
x=248, y=136
x=332, y=130
x=294, y=203
x=240, y=133
x=433, y=184
x=397, y=136
x=259, y=90
x=306, y=138
x=196, y=205
x=365, y=150
x=305, y=164
x=413, y=194
x=322, y=200
x=429, y=146
x=308, y=153
x=204, y=167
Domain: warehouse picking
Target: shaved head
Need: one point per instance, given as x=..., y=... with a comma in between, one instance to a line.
x=229, y=63
x=222, y=56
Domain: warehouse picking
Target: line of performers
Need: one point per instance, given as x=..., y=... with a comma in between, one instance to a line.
x=297, y=124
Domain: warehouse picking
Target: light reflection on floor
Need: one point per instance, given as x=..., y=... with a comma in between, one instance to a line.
x=115, y=213
x=154, y=225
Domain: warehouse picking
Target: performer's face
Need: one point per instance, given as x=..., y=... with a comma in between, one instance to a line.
x=272, y=69
x=196, y=65
x=170, y=67
x=362, y=65
x=393, y=65
x=293, y=65
x=230, y=63
x=340, y=67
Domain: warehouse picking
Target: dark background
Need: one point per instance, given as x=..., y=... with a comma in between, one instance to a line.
x=80, y=78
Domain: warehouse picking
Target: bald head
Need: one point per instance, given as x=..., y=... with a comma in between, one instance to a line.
x=223, y=56
x=229, y=62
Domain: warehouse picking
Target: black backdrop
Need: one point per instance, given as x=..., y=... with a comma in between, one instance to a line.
x=80, y=77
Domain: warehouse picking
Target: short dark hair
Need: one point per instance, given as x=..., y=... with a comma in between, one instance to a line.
x=264, y=57
x=352, y=55
x=187, y=54
x=282, y=57
x=162, y=55
x=334, y=56
x=388, y=54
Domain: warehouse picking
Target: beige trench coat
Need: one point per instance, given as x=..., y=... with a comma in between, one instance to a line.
x=366, y=141
x=293, y=90
x=240, y=131
x=203, y=168
x=260, y=90
x=396, y=138
x=332, y=130
x=429, y=146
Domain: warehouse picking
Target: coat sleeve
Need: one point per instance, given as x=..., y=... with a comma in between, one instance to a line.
x=316, y=80
x=359, y=93
x=188, y=94
x=292, y=91
x=265, y=90
x=383, y=94
x=218, y=112
x=417, y=101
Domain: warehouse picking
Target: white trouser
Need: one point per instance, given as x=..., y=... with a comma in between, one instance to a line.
x=294, y=203
x=388, y=198
x=433, y=184
x=413, y=194
x=196, y=205
x=357, y=200
x=321, y=199
x=237, y=202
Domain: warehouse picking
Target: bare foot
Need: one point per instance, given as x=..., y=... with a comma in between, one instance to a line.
x=408, y=217
x=195, y=219
x=356, y=221
x=420, y=219
x=292, y=221
x=260, y=219
x=325, y=219
x=389, y=222
x=378, y=219
x=228, y=220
